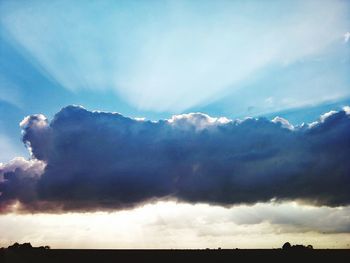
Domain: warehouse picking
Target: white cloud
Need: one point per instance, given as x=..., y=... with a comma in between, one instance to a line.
x=347, y=110
x=198, y=121
x=38, y=122
x=284, y=123
x=346, y=36
x=32, y=167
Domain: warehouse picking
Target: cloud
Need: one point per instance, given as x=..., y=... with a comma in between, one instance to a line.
x=100, y=160
x=18, y=180
x=175, y=225
x=9, y=92
x=346, y=36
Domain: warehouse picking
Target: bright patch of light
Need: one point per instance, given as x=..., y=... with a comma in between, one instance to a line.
x=179, y=225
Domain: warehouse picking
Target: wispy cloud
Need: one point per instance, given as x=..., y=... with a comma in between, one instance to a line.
x=9, y=92
x=346, y=36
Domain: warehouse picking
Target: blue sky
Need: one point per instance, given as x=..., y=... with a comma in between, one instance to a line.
x=157, y=58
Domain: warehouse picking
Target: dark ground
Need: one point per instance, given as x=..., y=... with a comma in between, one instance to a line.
x=223, y=255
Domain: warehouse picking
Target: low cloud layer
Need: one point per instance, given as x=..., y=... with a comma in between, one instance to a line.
x=87, y=161
x=173, y=225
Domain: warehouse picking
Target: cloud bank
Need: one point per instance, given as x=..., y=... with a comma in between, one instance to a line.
x=173, y=225
x=86, y=161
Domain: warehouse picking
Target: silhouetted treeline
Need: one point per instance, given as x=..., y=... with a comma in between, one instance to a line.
x=288, y=246
x=288, y=253
x=25, y=246
x=173, y=255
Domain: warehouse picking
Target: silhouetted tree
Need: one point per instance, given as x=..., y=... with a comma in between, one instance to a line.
x=26, y=246
x=298, y=247
x=14, y=246
x=286, y=245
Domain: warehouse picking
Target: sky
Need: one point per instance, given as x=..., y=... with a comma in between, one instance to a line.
x=175, y=124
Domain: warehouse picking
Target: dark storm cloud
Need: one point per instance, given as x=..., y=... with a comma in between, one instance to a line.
x=98, y=160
